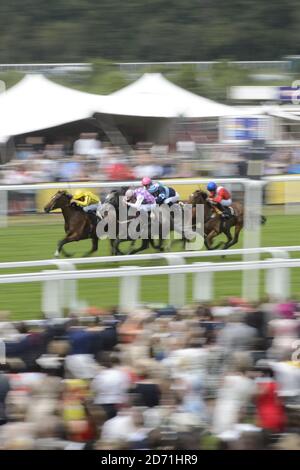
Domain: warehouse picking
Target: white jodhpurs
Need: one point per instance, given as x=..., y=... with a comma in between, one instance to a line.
x=147, y=207
x=226, y=202
x=92, y=207
x=172, y=199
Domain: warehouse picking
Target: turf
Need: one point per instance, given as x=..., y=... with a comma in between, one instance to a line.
x=35, y=237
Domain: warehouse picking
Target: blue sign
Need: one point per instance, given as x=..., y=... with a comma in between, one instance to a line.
x=245, y=128
x=289, y=94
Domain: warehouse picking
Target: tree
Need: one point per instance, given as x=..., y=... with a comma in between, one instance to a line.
x=138, y=30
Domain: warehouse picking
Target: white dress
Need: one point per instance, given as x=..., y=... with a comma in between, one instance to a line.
x=235, y=393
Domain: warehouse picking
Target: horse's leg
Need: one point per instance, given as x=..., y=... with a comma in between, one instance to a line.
x=59, y=249
x=112, y=247
x=237, y=230
x=229, y=237
x=159, y=246
x=145, y=245
x=63, y=242
x=94, y=248
x=216, y=247
x=115, y=247
x=208, y=240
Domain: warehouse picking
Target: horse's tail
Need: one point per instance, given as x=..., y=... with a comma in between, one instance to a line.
x=263, y=219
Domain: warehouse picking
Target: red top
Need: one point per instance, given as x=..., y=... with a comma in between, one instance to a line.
x=119, y=172
x=219, y=194
x=270, y=411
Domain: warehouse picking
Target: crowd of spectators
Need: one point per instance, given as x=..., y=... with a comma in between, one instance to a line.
x=218, y=376
x=89, y=159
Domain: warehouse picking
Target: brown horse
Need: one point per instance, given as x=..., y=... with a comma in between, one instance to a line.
x=113, y=201
x=79, y=225
x=214, y=224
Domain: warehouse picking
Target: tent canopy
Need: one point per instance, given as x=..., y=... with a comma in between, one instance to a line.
x=37, y=103
x=152, y=95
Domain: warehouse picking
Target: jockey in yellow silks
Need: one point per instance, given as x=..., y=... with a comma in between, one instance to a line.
x=87, y=200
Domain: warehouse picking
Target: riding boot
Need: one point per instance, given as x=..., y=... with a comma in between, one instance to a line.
x=219, y=209
x=226, y=213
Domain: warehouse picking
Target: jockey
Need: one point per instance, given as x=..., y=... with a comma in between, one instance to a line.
x=163, y=194
x=87, y=200
x=140, y=199
x=221, y=198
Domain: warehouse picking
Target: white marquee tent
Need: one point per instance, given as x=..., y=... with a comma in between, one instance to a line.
x=152, y=95
x=37, y=103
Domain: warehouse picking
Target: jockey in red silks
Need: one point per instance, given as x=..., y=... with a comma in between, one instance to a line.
x=220, y=197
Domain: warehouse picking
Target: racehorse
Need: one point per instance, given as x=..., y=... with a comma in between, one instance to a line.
x=79, y=225
x=214, y=224
x=113, y=200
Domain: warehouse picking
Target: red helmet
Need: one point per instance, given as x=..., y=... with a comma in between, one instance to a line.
x=146, y=181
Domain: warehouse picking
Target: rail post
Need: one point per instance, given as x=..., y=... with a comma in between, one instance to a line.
x=277, y=282
x=3, y=208
x=69, y=287
x=129, y=296
x=203, y=284
x=52, y=298
x=177, y=283
x=252, y=224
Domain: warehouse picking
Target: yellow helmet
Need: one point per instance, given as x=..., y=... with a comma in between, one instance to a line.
x=78, y=194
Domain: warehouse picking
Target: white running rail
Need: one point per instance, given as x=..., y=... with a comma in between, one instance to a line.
x=275, y=251
x=59, y=286
x=148, y=270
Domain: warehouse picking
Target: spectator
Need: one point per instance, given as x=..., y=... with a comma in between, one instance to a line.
x=237, y=336
x=147, y=390
x=87, y=145
x=235, y=395
x=270, y=410
x=110, y=385
x=4, y=389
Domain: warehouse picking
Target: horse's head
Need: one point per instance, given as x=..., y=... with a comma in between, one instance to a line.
x=111, y=199
x=198, y=197
x=59, y=200
x=115, y=196
x=112, y=202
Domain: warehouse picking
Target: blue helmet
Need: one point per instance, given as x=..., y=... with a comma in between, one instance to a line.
x=153, y=188
x=212, y=186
